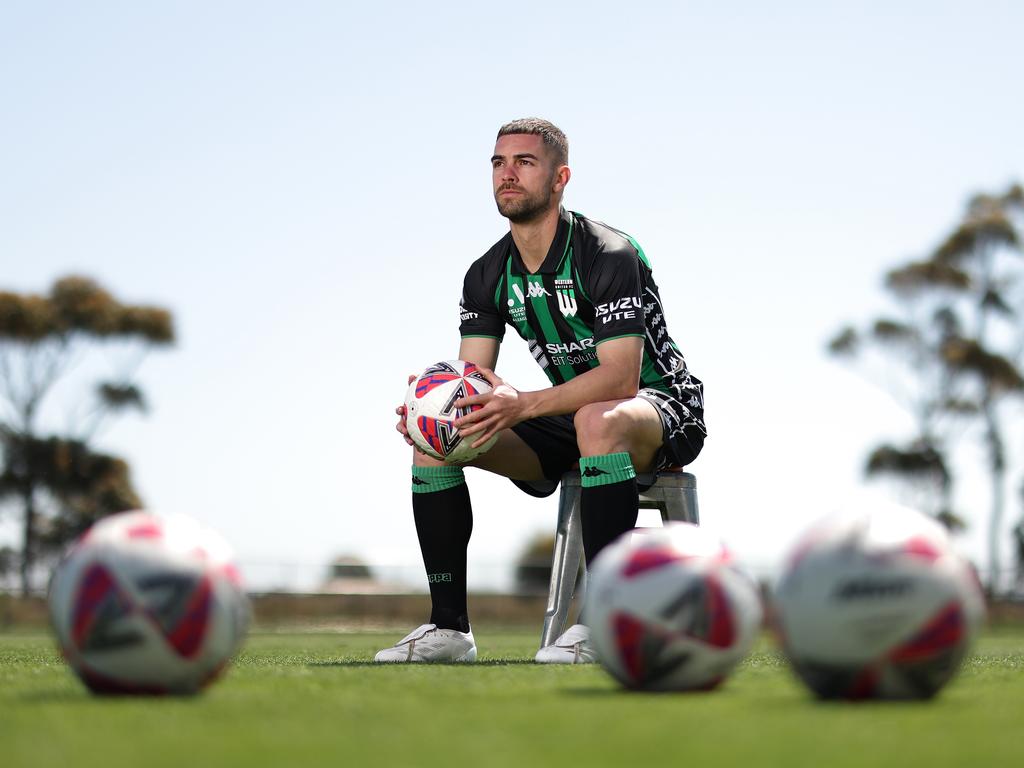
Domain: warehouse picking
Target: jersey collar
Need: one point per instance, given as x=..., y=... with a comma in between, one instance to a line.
x=559, y=247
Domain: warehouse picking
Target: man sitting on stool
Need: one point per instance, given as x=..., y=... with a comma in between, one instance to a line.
x=622, y=400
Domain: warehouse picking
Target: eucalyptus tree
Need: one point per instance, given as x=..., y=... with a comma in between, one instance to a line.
x=953, y=354
x=60, y=483
x=986, y=356
x=900, y=351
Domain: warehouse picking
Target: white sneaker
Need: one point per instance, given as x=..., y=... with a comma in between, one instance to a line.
x=428, y=643
x=572, y=647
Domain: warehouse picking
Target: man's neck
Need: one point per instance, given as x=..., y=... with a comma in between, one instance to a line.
x=533, y=238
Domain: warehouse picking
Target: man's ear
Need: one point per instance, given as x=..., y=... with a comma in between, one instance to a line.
x=562, y=176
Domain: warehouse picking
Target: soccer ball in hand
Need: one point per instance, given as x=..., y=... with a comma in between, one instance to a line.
x=668, y=609
x=147, y=605
x=430, y=410
x=876, y=604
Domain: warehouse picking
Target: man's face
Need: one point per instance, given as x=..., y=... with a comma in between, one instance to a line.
x=524, y=175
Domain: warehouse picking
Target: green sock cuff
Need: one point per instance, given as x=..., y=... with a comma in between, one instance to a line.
x=433, y=479
x=605, y=470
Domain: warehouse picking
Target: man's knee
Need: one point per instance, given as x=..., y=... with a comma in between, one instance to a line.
x=625, y=426
x=421, y=459
x=601, y=429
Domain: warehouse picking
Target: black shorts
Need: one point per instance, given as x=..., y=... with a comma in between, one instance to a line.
x=553, y=439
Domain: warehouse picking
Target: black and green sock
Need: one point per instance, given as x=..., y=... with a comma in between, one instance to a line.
x=608, y=501
x=444, y=523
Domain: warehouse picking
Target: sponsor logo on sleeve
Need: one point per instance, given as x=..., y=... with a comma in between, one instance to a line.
x=620, y=309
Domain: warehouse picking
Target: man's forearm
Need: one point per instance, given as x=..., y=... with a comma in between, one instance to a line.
x=605, y=382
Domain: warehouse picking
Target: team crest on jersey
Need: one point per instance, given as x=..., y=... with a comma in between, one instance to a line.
x=565, y=290
x=566, y=302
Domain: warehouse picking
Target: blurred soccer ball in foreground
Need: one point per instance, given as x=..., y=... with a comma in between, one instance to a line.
x=430, y=410
x=669, y=611
x=876, y=604
x=144, y=604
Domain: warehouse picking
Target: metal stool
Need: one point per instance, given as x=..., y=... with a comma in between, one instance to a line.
x=673, y=493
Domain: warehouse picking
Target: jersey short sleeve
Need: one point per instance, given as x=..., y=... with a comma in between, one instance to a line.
x=478, y=314
x=616, y=291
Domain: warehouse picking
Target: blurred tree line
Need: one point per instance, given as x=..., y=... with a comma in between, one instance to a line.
x=951, y=353
x=57, y=480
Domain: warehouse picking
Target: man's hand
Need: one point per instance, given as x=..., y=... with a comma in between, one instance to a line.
x=400, y=410
x=503, y=407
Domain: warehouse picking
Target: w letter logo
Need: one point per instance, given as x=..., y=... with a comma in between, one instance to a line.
x=566, y=303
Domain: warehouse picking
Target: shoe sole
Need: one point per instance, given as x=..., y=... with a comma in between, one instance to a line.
x=563, y=658
x=468, y=657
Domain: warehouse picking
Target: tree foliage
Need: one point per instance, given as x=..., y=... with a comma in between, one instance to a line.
x=59, y=480
x=953, y=357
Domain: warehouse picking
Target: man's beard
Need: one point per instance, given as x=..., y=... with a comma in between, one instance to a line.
x=523, y=208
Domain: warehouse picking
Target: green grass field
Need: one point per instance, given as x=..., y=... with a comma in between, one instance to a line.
x=315, y=699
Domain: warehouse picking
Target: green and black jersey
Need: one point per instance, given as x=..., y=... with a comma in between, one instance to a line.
x=595, y=285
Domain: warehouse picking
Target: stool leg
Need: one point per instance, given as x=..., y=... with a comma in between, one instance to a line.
x=564, y=564
x=681, y=506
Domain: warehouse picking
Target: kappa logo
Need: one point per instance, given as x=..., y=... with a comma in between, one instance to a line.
x=593, y=472
x=517, y=302
x=536, y=290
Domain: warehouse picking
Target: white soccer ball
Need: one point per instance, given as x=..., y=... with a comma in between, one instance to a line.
x=430, y=410
x=669, y=610
x=876, y=604
x=145, y=605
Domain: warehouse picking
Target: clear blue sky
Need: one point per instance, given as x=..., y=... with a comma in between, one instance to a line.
x=304, y=185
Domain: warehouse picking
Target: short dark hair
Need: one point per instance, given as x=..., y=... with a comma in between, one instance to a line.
x=552, y=135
